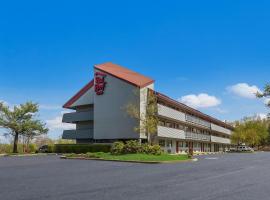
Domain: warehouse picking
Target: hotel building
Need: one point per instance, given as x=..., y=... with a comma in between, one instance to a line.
x=100, y=114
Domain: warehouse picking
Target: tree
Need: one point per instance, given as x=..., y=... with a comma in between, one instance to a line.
x=148, y=120
x=31, y=129
x=238, y=135
x=253, y=133
x=20, y=120
x=266, y=93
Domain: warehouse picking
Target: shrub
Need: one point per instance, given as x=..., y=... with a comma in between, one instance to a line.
x=81, y=148
x=151, y=149
x=32, y=148
x=132, y=146
x=5, y=148
x=50, y=148
x=117, y=148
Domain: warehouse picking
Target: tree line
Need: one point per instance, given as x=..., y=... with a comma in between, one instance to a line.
x=254, y=132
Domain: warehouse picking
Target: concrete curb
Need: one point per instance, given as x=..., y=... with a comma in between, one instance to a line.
x=131, y=161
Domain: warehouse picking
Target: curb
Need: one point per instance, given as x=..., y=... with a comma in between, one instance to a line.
x=131, y=161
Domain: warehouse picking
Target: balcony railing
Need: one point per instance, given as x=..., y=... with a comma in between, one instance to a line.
x=220, y=129
x=78, y=116
x=198, y=121
x=220, y=140
x=78, y=134
x=170, y=132
x=197, y=136
x=171, y=113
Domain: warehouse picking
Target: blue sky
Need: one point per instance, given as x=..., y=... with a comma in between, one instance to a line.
x=218, y=48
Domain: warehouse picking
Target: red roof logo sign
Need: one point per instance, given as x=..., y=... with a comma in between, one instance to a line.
x=100, y=83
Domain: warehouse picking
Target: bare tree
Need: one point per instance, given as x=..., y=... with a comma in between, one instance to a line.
x=148, y=119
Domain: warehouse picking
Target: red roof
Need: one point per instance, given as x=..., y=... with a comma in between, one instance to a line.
x=125, y=74
x=79, y=94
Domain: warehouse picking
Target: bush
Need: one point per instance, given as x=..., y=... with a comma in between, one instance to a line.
x=81, y=148
x=132, y=146
x=151, y=149
x=117, y=148
x=32, y=148
x=50, y=148
x=5, y=148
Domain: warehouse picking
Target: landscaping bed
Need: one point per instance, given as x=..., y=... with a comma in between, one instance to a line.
x=137, y=157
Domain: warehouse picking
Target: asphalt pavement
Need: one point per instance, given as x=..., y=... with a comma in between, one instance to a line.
x=215, y=177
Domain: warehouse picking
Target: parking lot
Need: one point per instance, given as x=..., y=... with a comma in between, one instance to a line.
x=228, y=176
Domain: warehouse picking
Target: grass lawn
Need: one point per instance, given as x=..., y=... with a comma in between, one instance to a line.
x=132, y=157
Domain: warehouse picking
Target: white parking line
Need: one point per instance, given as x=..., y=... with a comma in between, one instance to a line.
x=212, y=158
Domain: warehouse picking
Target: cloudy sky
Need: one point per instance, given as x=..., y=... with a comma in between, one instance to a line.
x=211, y=55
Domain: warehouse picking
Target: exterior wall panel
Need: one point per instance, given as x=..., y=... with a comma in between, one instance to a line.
x=171, y=113
x=111, y=120
x=197, y=136
x=78, y=134
x=86, y=99
x=78, y=116
x=220, y=129
x=220, y=140
x=170, y=132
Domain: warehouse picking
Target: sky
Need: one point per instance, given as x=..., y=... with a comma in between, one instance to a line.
x=211, y=55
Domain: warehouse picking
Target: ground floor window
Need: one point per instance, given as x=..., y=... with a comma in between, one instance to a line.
x=161, y=143
x=169, y=143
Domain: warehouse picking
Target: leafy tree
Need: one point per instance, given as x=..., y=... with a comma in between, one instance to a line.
x=266, y=93
x=148, y=120
x=20, y=120
x=253, y=133
x=238, y=135
x=32, y=128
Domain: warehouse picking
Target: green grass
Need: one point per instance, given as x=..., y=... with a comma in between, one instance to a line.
x=132, y=157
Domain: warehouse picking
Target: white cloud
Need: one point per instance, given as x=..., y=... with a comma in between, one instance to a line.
x=202, y=100
x=244, y=90
x=56, y=124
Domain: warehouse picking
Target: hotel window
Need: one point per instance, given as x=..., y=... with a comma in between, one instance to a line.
x=180, y=127
x=180, y=144
x=161, y=123
x=169, y=143
x=161, y=143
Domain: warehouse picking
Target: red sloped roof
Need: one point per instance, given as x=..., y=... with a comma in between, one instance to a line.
x=125, y=74
x=79, y=94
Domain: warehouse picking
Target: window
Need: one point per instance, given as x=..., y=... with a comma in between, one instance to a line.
x=161, y=143
x=180, y=144
x=169, y=143
x=161, y=123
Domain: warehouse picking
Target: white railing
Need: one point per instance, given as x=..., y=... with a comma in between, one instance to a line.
x=197, y=120
x=171, y=113
x=220, y=140
x=220, y=129
x=197, y=136
x=170, y=132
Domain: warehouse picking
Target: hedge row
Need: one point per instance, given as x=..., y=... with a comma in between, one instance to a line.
x=81, y=148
